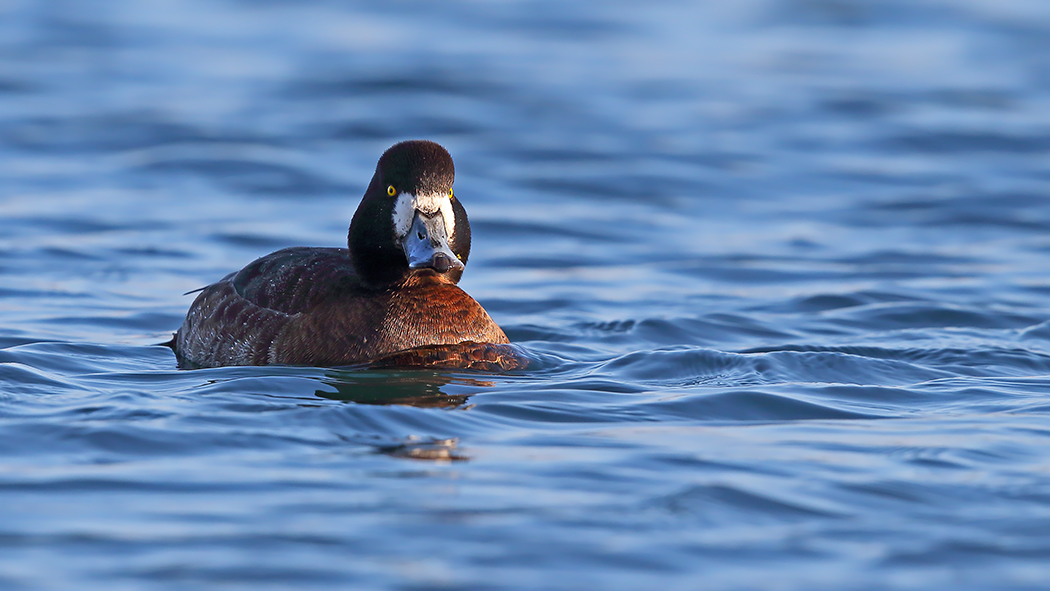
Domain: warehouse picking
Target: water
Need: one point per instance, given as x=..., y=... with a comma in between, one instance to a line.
x=783, y=264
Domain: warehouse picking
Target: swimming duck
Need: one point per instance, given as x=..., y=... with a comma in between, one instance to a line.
x=389, y=298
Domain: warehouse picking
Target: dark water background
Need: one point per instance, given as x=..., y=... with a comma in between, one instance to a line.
x=786, y=264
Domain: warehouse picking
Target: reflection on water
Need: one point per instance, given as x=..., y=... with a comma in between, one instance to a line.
x=437, y=450
x=413, y=387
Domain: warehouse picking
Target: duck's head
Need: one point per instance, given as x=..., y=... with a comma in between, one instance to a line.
x=409, y=221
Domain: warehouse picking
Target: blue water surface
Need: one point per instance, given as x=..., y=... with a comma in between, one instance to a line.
x=784, y=266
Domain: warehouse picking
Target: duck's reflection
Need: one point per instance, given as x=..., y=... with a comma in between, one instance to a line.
x=439, y=450
x=421, y=377
x=422, y=388
x=427, y=377
x=412, y=387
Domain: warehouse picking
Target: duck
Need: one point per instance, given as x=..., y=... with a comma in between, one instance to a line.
x=390, y=298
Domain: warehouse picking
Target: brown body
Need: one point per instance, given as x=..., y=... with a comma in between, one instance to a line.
x=390, y=298
x=306, y=306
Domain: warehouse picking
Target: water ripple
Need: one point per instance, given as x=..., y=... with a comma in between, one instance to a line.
x=778, y=266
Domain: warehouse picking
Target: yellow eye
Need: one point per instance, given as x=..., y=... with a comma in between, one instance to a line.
x=450, y=195
x=390, y=190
